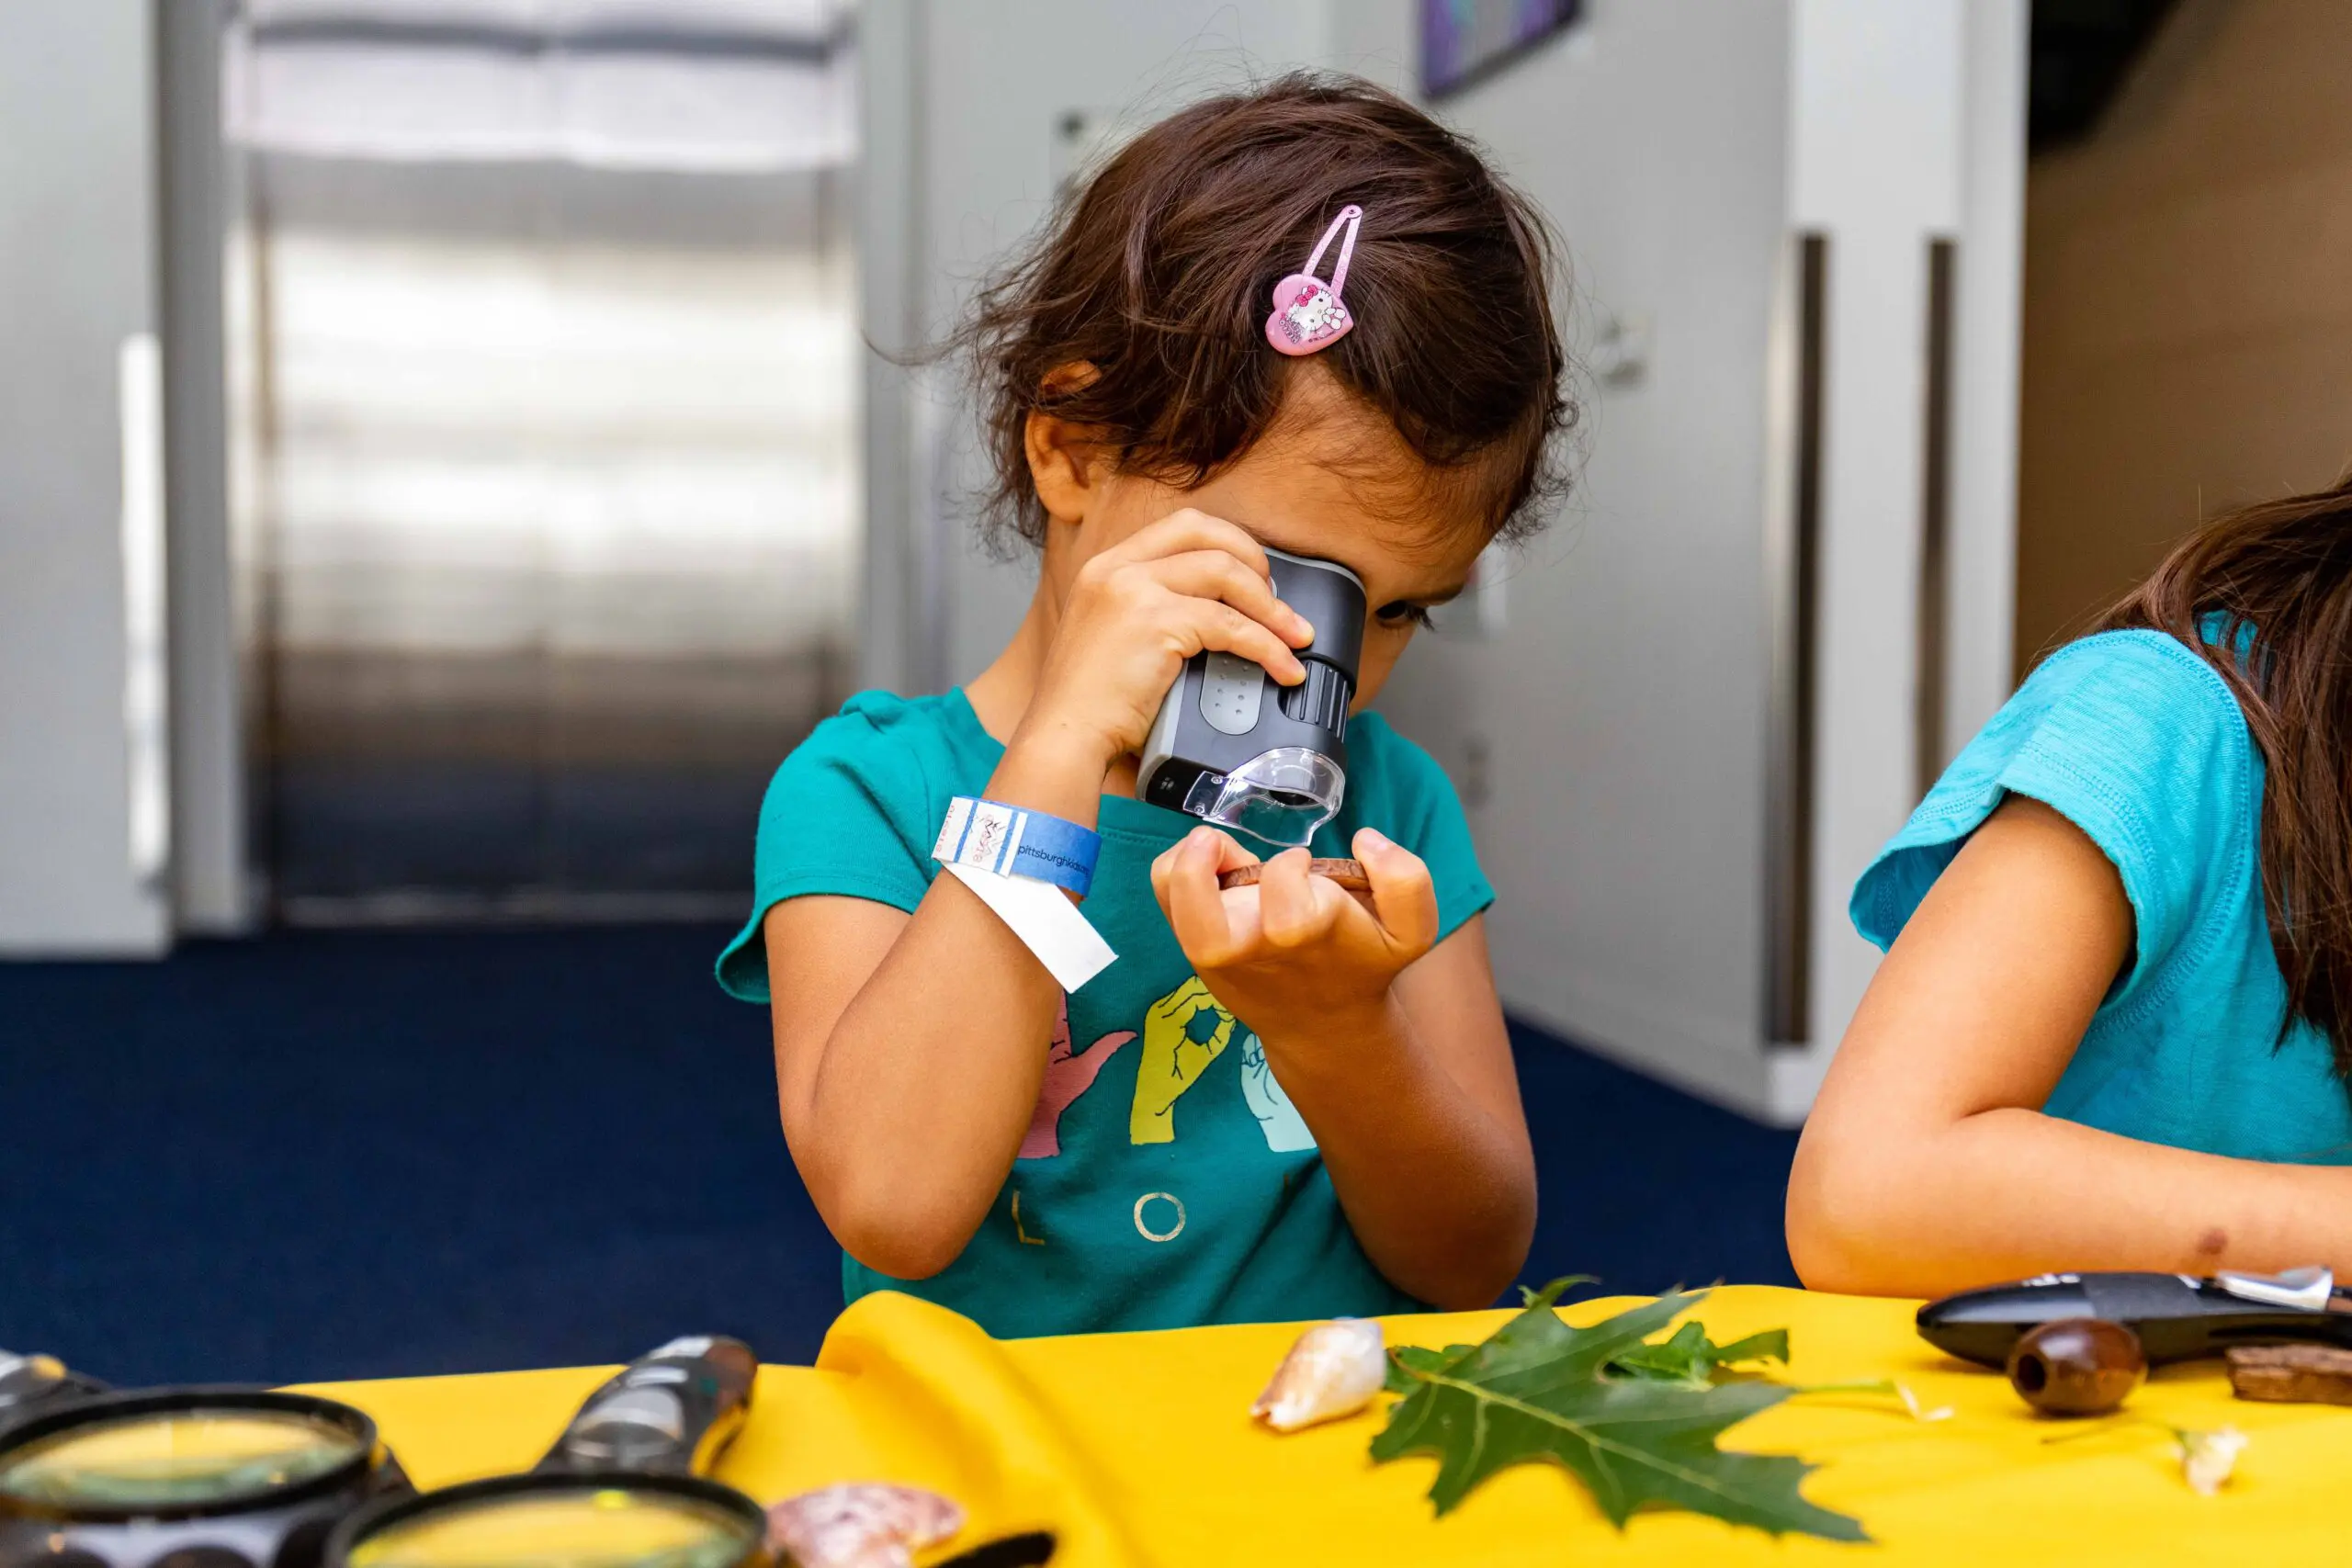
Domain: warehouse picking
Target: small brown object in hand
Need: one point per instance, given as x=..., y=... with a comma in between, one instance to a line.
x=2077, y=1366
x=1348, y=873
x=2292, y=1374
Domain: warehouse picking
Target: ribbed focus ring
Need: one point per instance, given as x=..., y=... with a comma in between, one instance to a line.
x=1321, y=699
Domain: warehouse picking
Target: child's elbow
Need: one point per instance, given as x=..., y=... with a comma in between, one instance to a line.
x=1842, y=1223
x=1476, y=1283
x=1479, y=1257
x=903, y=1233
x=896, y=1254
x=1825, y=1257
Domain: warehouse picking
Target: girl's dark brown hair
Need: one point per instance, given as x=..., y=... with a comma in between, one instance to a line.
x=2278, y=578
x=1159, y=275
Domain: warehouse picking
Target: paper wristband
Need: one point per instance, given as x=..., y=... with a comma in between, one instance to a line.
x=1012, y=841
x=1038, y=912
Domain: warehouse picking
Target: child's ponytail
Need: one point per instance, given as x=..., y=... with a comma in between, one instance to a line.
x=2278, y=576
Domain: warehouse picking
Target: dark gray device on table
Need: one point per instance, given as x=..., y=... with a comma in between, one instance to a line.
x=2179, y=1317
x=1234, y=747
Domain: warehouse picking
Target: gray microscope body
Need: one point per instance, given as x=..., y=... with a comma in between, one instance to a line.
x=1232, y=746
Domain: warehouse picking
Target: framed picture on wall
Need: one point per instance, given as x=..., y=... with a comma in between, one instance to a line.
x=1468, y=41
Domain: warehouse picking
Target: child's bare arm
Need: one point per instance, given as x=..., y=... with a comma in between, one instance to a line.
x=1427, y=1145
x=909, y=1049
x=1927, y=1166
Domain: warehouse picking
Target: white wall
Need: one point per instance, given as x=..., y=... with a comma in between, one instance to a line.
x=1875, y=157
x=1623, y=710
x=1623, y=706
x=1988, y=329
x=77, y=217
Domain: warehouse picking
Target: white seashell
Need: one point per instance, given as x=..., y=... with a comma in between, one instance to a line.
x=1333, y=1371
x=860, y=1525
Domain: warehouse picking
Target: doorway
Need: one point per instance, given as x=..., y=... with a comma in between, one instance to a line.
x=543, y=387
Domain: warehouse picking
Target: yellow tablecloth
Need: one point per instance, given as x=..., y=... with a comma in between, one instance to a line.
x=1137, y=1449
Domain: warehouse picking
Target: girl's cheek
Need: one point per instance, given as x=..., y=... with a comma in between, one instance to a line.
x=1382, y=645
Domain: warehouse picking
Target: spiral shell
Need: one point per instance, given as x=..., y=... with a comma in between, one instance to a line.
x=1333, y=1371
x=861, y=1525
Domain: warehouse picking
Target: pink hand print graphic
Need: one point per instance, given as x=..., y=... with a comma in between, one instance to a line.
x=1068, y=1075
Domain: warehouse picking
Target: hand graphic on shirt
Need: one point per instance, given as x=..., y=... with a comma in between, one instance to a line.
x=1285, y=1128
x=1068, y=1075
x=1177, y=1049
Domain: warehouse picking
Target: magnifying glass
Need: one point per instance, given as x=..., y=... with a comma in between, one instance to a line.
x=240, y=1478
x=593, y=1521
x=211, y=1478
x=625, y=1486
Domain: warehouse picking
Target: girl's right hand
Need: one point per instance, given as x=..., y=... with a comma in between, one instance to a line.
x=1136, y=611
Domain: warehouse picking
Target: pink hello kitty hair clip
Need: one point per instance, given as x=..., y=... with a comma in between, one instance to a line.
x=1309, y=313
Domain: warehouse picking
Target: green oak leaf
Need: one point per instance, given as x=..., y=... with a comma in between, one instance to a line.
x=1535, y=1391
x=1527, y=1298
x=1689, y=1358
x=1418, y=1359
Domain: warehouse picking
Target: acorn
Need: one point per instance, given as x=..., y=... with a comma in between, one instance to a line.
x=2077, y=1366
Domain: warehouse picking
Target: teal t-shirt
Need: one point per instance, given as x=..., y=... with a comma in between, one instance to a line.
x=2138, y=741
x=1166, y=1179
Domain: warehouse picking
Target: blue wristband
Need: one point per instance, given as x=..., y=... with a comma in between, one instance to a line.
x=1014, y=841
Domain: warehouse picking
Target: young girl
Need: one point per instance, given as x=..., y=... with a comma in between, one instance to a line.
x=2113, y=1025
x=1274, y=1104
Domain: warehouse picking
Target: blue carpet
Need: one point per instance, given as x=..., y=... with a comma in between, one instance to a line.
x=355, y=1154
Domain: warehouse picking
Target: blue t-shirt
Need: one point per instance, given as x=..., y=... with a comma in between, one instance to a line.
x=1166, y=1179
x=2140, y=743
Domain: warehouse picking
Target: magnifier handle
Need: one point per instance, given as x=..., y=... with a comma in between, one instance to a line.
x=670, y=1412
x=29, y=1383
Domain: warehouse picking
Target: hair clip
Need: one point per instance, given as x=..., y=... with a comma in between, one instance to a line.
x=1309, y=313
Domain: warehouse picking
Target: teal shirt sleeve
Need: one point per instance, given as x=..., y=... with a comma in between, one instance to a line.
x=2136, y=741
x=1408, y=797
x=848, y=814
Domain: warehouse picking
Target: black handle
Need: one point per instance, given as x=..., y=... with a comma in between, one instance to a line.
x=29, y=1385
x=670, y=1412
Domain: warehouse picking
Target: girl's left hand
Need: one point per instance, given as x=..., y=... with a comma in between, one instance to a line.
x=1296, y=954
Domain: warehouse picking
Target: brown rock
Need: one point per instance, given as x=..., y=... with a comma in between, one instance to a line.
x=2292, y=1374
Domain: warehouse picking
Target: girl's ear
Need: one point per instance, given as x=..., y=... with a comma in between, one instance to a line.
x=1062, y=455
x=1061, y=464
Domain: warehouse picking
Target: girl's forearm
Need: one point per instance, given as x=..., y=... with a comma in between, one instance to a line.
x=929, y=1079
x=925, y=1086
x=1442, y=1200
x=2008, y=1193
